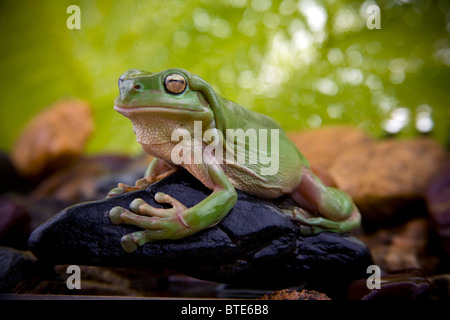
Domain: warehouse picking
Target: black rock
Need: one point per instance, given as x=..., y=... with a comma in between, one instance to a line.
x=19, y=266
x=255, y=243
x=14, y=265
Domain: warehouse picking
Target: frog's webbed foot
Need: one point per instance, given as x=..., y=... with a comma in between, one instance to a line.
x=158, y=223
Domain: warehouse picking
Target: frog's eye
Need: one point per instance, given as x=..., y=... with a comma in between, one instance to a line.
x=175, y=83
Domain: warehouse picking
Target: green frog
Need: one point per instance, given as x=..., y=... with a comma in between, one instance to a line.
x=159, y=104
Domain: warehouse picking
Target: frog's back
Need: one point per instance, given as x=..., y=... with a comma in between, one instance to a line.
x=236, y=116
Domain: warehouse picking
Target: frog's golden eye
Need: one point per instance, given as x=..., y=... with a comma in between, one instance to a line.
x=175, y=83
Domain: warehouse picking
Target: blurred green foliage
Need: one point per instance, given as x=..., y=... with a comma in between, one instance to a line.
x=305, y=63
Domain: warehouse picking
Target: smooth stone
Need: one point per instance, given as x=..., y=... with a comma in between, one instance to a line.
x=255, y=243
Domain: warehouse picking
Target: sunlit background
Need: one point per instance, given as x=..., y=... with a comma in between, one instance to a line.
x=305, y=63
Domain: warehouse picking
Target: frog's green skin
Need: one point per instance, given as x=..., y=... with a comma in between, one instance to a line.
x=156, y=110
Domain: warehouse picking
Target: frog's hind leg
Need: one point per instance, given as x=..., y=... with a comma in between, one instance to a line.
x=323, y=208
x=310, y=224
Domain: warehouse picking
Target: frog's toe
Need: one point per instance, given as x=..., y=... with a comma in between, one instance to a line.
x=159, y=197
x=132, y=241
x=165, y=198
x=140, y=207
x=115, y=215
x=128, y=243
x=137, y=204
x=116, y=192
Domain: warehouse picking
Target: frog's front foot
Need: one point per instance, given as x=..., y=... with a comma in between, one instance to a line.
x=158, y=223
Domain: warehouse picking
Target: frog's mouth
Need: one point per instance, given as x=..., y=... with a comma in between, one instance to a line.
x=127, y=110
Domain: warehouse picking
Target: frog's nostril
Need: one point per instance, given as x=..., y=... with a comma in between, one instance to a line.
x=136, y=86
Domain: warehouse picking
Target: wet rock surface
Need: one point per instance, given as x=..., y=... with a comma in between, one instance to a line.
x=255, y=240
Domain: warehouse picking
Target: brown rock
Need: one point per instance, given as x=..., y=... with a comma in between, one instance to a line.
x=52, y=138
x=387, y=176
x=322, y=146
x=288, y=294
x=438, y=202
